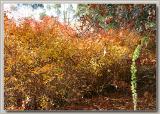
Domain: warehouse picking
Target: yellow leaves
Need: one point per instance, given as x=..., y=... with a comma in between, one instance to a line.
x=118, y=51
x=44, y=102
x=60, y=77
x=94, y=64
x=30, y=61
x=44, y=69
x=46, y=78
x=11, y=79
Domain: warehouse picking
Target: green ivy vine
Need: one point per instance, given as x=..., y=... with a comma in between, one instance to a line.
x=135, y=56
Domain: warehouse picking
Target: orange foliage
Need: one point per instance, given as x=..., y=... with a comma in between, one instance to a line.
x=50, y=62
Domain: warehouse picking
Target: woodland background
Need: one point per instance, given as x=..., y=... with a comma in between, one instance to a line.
x=53, y=65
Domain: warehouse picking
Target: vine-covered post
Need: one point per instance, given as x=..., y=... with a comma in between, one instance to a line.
x=135, y=56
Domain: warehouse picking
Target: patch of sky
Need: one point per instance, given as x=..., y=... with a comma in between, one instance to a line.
x=64, y=12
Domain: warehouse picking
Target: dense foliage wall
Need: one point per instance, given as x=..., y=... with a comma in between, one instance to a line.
x=47, y=63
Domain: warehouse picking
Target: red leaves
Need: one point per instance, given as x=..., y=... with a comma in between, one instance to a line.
x=94, y=6
x=108, y=20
